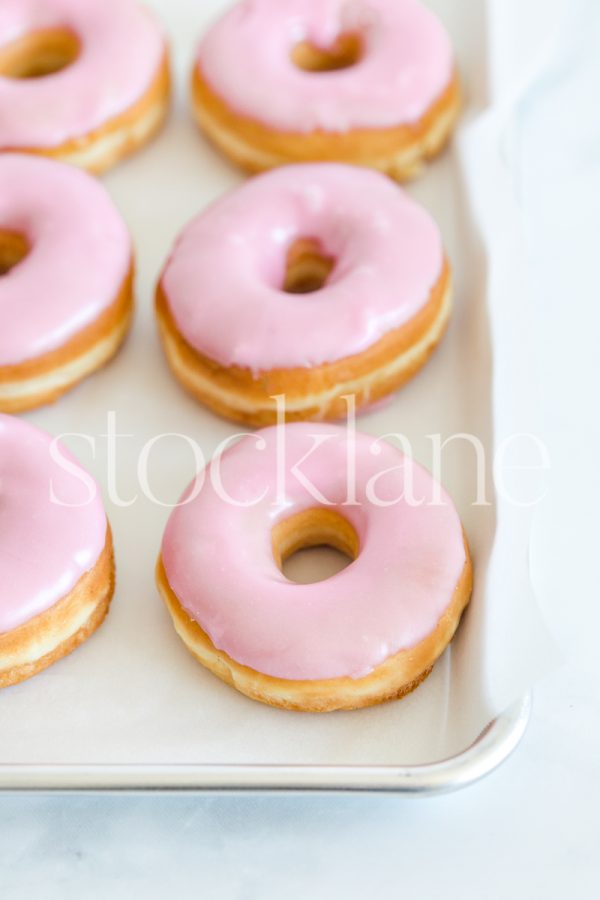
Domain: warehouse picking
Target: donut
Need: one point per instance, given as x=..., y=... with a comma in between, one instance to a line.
x=84, y=82
x=66, y=273
x=370, y=633
x=368, y=82
x=56, y=555
x=312, y=282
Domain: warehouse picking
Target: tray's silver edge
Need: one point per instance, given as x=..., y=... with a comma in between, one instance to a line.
x=495, y=743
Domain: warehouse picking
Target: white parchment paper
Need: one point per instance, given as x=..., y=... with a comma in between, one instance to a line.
x=132, y=694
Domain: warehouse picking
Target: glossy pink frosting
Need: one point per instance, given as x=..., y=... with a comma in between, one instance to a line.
x=219, y=562
x=121, y=49
x=80, y=253
x=45, y=547
x=406, y=64
x=223, y=280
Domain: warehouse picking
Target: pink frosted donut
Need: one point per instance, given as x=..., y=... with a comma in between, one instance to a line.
x=86, y=82
x=370, y=82
x=239, y=328
x=369, y=633
x=56, y=559
x=65, y=279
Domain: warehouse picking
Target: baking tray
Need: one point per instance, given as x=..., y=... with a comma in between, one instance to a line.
x=131, y=709
x=495, y=743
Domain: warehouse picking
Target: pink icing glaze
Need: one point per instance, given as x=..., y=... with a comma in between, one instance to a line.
x=406, y=64
x=80, y=253
x=219, y=561
x=45, y=547
x=121, y=50
x=223, y=279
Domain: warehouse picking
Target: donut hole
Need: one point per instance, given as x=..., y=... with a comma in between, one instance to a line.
x=39, y=54
x=13, y=249
x=346, y=52
x=307, y=267
x=313, y=545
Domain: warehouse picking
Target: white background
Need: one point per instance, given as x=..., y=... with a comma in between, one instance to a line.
x=529, y=830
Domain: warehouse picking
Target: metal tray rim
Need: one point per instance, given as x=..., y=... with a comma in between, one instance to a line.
x=495, y=743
